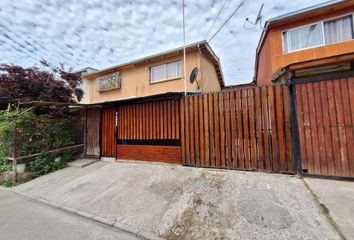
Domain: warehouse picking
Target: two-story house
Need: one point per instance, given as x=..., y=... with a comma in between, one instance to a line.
x=156, y=74
x=311, y=40
x=133, y=109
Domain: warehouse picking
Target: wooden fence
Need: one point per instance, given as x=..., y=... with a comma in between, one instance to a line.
x=245, y=129
x=305, y=127
x=158, y=120
x=326, y=132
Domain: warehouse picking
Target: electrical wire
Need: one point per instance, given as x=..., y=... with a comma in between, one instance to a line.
x=216, y=17
x=228, y=19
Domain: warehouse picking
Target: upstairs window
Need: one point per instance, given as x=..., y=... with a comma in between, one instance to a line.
x=165, y=71
x=318, y=34
x=339, y=30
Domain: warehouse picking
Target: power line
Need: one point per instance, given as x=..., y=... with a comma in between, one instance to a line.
x=216, y=17
x=227, y=20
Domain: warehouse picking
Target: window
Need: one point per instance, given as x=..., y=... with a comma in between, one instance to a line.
x=318, y=34
x=339, y=30
x=109, y=82
x=165, y=71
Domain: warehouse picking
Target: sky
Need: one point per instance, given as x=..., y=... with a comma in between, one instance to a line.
x=102, y=33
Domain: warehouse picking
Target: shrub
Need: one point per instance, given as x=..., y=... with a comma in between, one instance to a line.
x=49, y=162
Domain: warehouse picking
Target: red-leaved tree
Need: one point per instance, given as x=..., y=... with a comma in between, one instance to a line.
x=48, y=83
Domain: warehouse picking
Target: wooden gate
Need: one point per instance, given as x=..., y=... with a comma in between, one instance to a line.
x=108, y=141
x=148, y=131
x=245, y=129
x=325, y=112
x=92, y=144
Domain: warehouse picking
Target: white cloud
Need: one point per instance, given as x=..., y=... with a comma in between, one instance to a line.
x=103, y=33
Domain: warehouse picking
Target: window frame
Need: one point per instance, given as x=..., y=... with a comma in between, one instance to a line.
x=165, y=79
x=288, y=33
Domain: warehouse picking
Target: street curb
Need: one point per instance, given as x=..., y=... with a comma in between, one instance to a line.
x=328, y=216
x=121, y=227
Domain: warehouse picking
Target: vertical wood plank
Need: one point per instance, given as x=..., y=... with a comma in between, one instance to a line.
x=217, y=130
x=211, y=131
x=280, y=127
x=351, y=101
x=241, y=157
x=253, y=142
x=347, y=127
x=320, y=128
x=187, y=127
x=266, y=130
x=246, y=128
x=196, y=130
x=273, y=130
x=177, y=121
x=301, y=98
x=151, y=117
x=233, y=129
x=192, y=136
x=259, y=132
x=314, y=130
x=222, y=130
x=228, y=129
x=206, y=129
x=343, y=160
x=165, y=120
x=183, y=135
x=334, y=164
x=173, y=119
x=201, y=130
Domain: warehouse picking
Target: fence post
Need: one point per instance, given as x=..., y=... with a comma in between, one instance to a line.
x=294, y=127
x=15, y=154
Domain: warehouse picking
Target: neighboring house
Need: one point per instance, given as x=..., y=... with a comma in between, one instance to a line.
x=84, y=85
x=156, y=74
x=309, y=40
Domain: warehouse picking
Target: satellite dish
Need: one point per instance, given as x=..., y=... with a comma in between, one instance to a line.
x=259, y=15
x=194, y=75
x=258, y=18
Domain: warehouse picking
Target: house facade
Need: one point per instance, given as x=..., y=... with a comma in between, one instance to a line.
x=314, y=37
x=156, y=74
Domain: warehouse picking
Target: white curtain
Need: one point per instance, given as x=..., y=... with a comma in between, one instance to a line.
x=339, y=30
x=174, y=69
x=305, y=37
x=158, y=73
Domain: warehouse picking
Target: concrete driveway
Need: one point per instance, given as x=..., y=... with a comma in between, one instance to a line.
x=175, y=202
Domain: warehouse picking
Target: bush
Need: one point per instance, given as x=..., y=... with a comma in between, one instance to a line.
x=35, y=133
x=49, y=162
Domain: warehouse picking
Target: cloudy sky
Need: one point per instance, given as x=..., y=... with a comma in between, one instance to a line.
x=97, y=33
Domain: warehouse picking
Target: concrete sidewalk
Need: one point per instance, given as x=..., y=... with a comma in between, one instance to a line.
x=175, y=202
x=338, y=197
x=21, y=219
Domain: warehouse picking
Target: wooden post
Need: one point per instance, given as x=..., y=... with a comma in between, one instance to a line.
x=15, y=154
x=85, y=133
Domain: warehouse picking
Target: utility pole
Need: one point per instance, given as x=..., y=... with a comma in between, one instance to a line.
x=184, y=52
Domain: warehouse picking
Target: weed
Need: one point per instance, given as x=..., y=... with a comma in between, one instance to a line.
x=324, y=209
